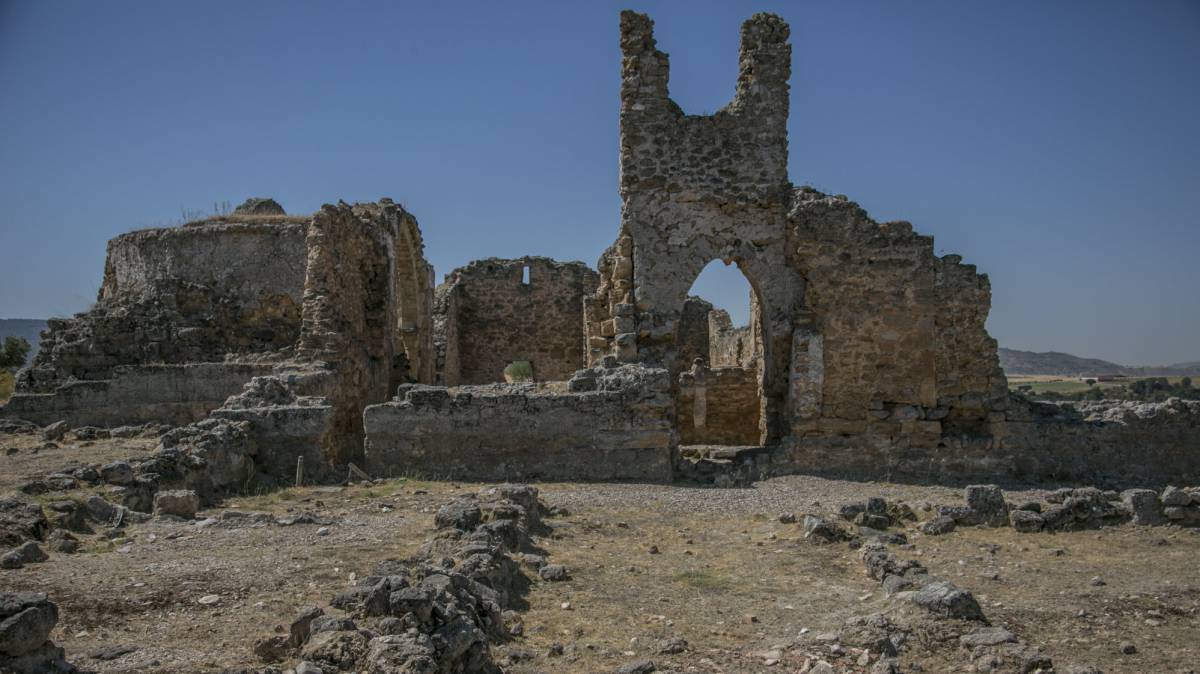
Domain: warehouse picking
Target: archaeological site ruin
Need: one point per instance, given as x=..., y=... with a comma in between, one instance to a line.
x=324, y=336
x=308, y=375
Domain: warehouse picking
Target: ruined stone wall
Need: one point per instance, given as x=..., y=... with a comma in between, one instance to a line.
x=1117, y=444
x=351, y=313
x=693, y=339
x=971, y=384
x=719, y=406
x=861, y=331
x=448, y=367
x=494, y=318
x=696, y=189
x=900, y=330
x=242, y=261
x=181, y=295
x=365, y=281
x=136, y=394
x=730, y=346
x=616, y=423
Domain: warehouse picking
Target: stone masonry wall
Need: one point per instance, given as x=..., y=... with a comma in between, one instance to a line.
x=495, y=318
x=1118, y=444
x=696, y=189
x=136, y=394
x=901, y=330
x=694, y=339
x=730, y=346
x=365, y=287
x=182, y=295
x=351, y=313
x=719, y=406
x=615, y=423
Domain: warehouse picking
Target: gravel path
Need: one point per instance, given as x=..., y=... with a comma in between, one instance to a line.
x=769, y=497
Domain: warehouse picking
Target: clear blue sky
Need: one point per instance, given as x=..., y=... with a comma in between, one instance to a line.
x=1053, y=144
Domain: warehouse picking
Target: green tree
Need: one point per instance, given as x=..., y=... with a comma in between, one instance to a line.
x=12, y=356
x=1185, y=383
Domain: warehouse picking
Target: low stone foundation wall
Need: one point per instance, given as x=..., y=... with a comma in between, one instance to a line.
x=719, y=406
x=614, y=424
x=1099, y=443
x=137, y=394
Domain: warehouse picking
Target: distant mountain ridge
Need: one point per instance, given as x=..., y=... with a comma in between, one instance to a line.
x=29, y=328
x=1064, y=364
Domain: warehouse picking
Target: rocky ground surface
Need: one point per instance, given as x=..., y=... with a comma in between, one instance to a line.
x=688, y=579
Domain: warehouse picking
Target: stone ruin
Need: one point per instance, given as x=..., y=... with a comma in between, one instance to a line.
x=269, y=339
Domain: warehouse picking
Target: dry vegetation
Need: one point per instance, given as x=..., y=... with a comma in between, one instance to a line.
x=6, y=386
x=728, y=576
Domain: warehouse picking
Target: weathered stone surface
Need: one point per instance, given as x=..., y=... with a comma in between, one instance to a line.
x=619, y=427
x=1026, y=521
x=55, y=431
x=1174, y=496
x=987, y=500
x=821, y=530
x=938, y=526
x=259, y=206
x=945, y=599
x=21, y=521
x=26, y=619
x=1143, y=505
x=119, y=473
x=719, y=406
x=494, y=312
x=178, y=502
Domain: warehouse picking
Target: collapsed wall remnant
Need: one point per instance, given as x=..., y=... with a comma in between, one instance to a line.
x=610, y=423
x=495, y=312
x=184, y=317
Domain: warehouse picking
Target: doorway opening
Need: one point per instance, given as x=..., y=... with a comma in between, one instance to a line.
x=720, y=397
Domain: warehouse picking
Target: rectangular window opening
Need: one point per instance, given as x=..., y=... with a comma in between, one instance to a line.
x=525, y=274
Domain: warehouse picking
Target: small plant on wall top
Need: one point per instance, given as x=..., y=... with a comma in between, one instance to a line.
x=518, y=370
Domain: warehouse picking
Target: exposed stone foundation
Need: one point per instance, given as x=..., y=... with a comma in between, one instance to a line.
x=138, y=394
x=614, y=424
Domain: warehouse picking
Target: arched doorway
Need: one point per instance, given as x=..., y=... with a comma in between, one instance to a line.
x=719, y=361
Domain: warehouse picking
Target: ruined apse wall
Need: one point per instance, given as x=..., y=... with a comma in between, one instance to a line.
x=181, y=295
x=489, y=317
x=360, y=299
x=184, y=317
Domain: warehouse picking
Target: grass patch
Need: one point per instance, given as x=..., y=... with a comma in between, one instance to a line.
x=267, y=499
x=7, y=381
x=702, y=580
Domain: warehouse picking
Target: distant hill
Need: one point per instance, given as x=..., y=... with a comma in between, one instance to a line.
x=1064, y=364
x=29, y=328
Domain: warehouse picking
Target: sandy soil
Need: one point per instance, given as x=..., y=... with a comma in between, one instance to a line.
x=728, y=576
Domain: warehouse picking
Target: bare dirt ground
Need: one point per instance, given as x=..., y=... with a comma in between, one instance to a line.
x=728, y=576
